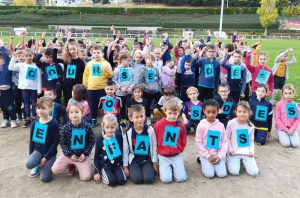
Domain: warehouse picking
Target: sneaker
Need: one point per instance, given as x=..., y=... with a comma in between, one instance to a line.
x=4, y=123
x=148, y=122
x=35, y=172
x=72, y=170
x=198, y=159
x=19, y=117
x=27, y=124
x=13, y=124
x=94, y=123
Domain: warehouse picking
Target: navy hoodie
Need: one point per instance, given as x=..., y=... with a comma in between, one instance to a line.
x=5, y=74
x=263, y=102
x=187, y=76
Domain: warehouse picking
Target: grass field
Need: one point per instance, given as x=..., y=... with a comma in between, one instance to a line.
x=273, y=47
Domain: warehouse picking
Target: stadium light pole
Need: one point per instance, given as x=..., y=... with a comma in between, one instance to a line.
x=221, y=18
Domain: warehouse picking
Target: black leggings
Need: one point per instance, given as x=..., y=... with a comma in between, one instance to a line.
x=113, y=176
x=205, y=93
x=149, y=97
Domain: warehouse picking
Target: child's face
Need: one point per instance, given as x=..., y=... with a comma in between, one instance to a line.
x=149, y=61
x=157, y=54
x=137, y=94
x=138, y=118
x=188, y=51
x=75, y=114
x=126, y=62
x=60, y=56
x=110, y=90
x=262, y=60
x=210, y=53
x=193, y=95
x=288, y=94
x=242, y=113
x=171, y=65
x=138, y=58
x=284, y=57
x=49, y=94
x=223, y=92
x=253, y=51
x=187, y=66
x=110, y=128
x=172, y=116
x=20, y=58
x=83, y=56
x=97, y=54
x=28, y=57
x=72, y=50
x=49, y=59
x=237, y=58
x=260, y=92
x=210, y=113
x=180, y=52
x=168, y=96
x=184, y=44
x=43, y=111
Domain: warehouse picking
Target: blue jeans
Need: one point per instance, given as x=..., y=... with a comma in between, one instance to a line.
x=94, y=98
x=189, y=125
x=29, y=97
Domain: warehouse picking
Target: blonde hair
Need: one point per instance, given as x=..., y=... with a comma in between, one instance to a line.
x=263, y=54
x=135, y=108
x=66, y=54
x=47, y=101
x=191, y=89
x=150, y=55
x=288, y=87
x=78, y=105
x=138, y=52
x=29, y=50
x=110, y=118
x=173, y=105
x=157, y=50
x=124, y=55
x=19, y=52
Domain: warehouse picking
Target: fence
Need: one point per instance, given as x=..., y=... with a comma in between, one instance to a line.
x=99, y=35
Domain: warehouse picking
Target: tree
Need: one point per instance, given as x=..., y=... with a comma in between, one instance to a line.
x=25, y=2
x=268, y=13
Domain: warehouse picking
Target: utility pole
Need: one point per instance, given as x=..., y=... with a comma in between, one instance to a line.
x=221, y=18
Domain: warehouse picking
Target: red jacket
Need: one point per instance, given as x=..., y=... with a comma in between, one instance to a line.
x=165, y=150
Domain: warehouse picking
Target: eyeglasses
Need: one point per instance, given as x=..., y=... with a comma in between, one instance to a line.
x=211, y=51
x=129, y=60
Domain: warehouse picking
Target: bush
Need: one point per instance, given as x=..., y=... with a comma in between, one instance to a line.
x=216, y=25
x=291, y=11
x=249, y=10
x=9, y=11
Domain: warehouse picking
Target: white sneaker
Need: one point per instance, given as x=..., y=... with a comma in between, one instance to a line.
x=13, y=124
x=4, y=123
x=148, y=122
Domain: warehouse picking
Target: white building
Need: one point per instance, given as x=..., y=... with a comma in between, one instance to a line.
x=65, y=2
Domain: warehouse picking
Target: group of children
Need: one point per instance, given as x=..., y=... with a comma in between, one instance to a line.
x=131, y=89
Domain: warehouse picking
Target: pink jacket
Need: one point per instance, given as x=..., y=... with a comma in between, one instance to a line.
x=166, y=77
x=201, y=137
x=282, y=121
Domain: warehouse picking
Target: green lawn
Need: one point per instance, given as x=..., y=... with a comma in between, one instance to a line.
x=273, y=47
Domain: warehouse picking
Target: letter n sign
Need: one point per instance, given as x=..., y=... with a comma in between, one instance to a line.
x=242, y=137
x=142, y=145
x=109, y=104
x=40, y=133
x=31, y=73
x=96, y=70
x=112, y=148
x=78, y=139
x=261, y=113
x=171, y=136
x=51, y=72
x=291, y=110
x=213, y=139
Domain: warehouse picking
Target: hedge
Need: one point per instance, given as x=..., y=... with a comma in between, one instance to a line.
x=39, y=24
x=216, y=25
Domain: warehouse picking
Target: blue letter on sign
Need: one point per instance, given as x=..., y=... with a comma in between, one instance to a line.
x=227, y=107
x=112, y=148
x=51, y=72
x=39, y=133
x=236, y=72
x=209, y=70
x=31, y=73
x=262, y=76
x=71, y=72
x=78, y=139
x=196, y=112
x=171, y=136
x=124, y=74
x=96, y=70
x=261, y=113
x=142, y=145
x=150, y=75
x=109, y=104
x=242, y=137
x=291, y=110
x=213, y=139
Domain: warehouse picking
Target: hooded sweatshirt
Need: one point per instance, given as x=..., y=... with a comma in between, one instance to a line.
x=282, y=121
x=150, y=84
x=128, y=83
x=202, y=137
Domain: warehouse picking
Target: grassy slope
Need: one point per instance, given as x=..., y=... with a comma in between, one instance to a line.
x=273, y=47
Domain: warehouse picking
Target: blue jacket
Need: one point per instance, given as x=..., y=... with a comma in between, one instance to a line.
x=167, y=56
x=209, y=75
x=59, y=112
x=236, y=84
x=263, y=102
x=5, y=74
x=187, y=76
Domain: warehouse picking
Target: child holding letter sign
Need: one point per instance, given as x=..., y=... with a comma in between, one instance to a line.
x=262, y=115
x=139, y=148
x=240, y=135
x=108, y=154
x=287, y=118
x=44, y=138
x=171, y=141
x=211, y=141
x=77, y=141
